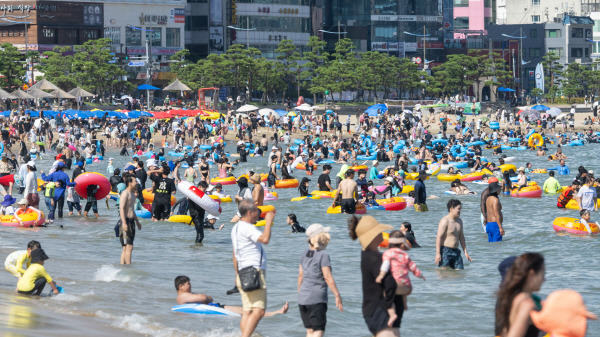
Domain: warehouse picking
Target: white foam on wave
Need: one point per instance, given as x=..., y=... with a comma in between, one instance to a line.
x=143, y=325
x=72, y=298
x=108, y=273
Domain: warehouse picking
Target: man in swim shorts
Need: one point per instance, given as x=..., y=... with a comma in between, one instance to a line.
x=450, y=234
x=494, y=219
x=185, y=296
x=348, y=188
x=128, y=219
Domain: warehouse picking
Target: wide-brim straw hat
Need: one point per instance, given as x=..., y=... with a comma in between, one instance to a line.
x=368, y=228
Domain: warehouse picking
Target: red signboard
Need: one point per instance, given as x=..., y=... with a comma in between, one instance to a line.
x=431, y=45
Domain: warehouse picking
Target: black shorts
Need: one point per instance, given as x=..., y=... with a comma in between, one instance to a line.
x=127, y=238
x=161, y=209
x=379, y=319
x=348, y=206
x=314, y=316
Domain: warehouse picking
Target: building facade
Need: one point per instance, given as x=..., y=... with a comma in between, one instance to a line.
x=263, y=24
x=472, y=16
x=537, y=11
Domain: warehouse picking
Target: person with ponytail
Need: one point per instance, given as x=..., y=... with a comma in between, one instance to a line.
x=516, y=298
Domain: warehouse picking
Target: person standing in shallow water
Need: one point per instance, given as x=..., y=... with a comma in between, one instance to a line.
x=128, y=219
x=450, y=234
x=377, y=297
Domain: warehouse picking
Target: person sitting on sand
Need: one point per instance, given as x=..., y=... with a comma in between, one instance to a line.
x=185, y=296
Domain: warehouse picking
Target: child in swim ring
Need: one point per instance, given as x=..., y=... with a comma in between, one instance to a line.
x=396, y=260
x=585, y=217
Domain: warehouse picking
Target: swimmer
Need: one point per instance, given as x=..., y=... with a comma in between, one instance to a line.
x=585, y=217
x=185, y=296
x=450, y=234
x=292, y=220
x=400, y=263
x=15, y=260
x=406, y=228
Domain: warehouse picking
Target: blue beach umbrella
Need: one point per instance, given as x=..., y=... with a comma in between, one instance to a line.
x=540, y=107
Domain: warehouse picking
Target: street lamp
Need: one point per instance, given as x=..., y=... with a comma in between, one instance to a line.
x=26, y=43
x=247, y=29
x=520, y=38
x=424, y=44
x=148, y=62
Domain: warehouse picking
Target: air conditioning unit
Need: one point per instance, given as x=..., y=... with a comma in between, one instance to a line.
x=580, y=61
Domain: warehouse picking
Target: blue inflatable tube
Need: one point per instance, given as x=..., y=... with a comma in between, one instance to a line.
x=531, y=132
x=458, y=164
x=143, y=213
x=516, y=179
x=494, y=125
x=577, y=142
x=187, y=147
x=506, y=147
x=462, y=153
x=149, y=154
x=365, y=157
x=298, y=142
x=88, y=160
x=514, y=139
x=521, y=148
x=479, y=142
x=465, y=130
x=161, y=158
x=368, y=142
x=436, y=141
x=208, y=147
x=375, y=208
x=175, y=154
x=294, y=148
x=326, y=161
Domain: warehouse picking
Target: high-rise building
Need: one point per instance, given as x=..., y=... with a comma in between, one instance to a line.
x=537, y=11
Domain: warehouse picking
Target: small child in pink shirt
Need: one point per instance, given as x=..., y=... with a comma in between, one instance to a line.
x=400, y=264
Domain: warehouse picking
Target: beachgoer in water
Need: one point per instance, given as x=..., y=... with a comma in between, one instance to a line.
x=128, y=219
x=516, y=298
x=492, y=211
x=406, y=228
x=35, y=277
x=450, y=234
x=14, y=261
x=292, y=220
x=396, y=260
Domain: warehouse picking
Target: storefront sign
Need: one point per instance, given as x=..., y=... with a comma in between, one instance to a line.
x=153, y=19
x=233, y=12
x=406, y=18
x=155, y=50
x=431, y=45
x=14, y=8
x=277, y=37
x=178, y=15
x=384, y=46
x=410, y=47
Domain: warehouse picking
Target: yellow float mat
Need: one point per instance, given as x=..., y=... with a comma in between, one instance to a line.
x=186, y=219
x=302, y=198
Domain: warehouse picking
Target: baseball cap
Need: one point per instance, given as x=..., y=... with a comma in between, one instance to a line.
x=61, y=165
x=130, y=168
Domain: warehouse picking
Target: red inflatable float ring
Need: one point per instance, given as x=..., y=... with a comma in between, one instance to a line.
x=92, y=178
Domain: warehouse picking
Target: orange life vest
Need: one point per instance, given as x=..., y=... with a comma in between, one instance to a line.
x=564, y=198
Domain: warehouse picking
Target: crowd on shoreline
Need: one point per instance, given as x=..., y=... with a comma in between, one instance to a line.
x=299, y=146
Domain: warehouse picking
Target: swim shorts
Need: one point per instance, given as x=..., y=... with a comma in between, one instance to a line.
x=348, y=206
x=161, y=209
x=127, y=238
x=451, y=257
x=378, y=320
x=493, y=231
x=423, y=208
x=314, y=316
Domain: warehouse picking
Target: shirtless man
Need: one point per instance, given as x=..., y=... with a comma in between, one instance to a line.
x=349, y=191
x=258, y=194
x=128, y=219
x=450, y=234
x=185, y=296
x=493, y=212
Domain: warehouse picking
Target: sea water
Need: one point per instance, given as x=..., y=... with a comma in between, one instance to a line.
x=102, y=297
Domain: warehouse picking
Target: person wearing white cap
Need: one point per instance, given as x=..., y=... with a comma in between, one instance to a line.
x=313, y=279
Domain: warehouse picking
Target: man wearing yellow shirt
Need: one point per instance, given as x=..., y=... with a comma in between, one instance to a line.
x=35, y=278
x=15, y=261
x=551, y=185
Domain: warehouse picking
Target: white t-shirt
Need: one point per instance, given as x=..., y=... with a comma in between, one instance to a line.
x=246, y=247
x=587, y=196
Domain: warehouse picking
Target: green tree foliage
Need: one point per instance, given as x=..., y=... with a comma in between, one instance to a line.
x=553, y=72
x=12, y=66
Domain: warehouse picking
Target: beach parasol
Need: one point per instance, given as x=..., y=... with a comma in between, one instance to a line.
x=266, y=112
x=38, y=93
x=292, y=114
x=61, y=94
x=177, y=85
x=6, y=95
x=44, y=84
x=531, y=114
x=247, y=108
x=540, y=107
x=20, y=94
x=78, y=92
x=554, y=112
x=304, y=107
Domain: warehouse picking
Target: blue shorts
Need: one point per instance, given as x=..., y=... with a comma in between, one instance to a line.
x=451, y=257
x=493, y=231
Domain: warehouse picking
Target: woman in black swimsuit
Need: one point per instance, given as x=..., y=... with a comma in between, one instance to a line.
x=204, y=170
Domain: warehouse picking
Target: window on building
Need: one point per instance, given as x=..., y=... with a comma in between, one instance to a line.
x=586, y=52
x=197, y=50
x=155, y=36
x=576, y=52
x=196, y=22
x=48, y=32
x=535, y=18
x=89, y=34
x=385, y=7
x=173, y=37
x=533, y=33
x=535, y=2
x=597, y=26
x=114, y=34
x=534, y=52
x=461, y=3
x=133, y=37
x=577, y=32
x=553, y=33
x=461, y=23
x=489, y=4
x=556, y=51
x=197, y=1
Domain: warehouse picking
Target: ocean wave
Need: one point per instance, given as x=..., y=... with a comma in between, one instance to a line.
x=108, y=273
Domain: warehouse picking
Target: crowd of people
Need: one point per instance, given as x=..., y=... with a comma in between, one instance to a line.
x=299, y=145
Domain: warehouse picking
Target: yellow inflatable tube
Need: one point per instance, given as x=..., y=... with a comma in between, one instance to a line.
x=536, y=140
x=507, y=167
x=186, y=219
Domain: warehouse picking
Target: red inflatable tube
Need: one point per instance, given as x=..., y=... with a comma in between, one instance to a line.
x=6, y=180
x=92, y=178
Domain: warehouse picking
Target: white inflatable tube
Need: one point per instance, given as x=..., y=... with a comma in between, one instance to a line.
x=199, y=198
